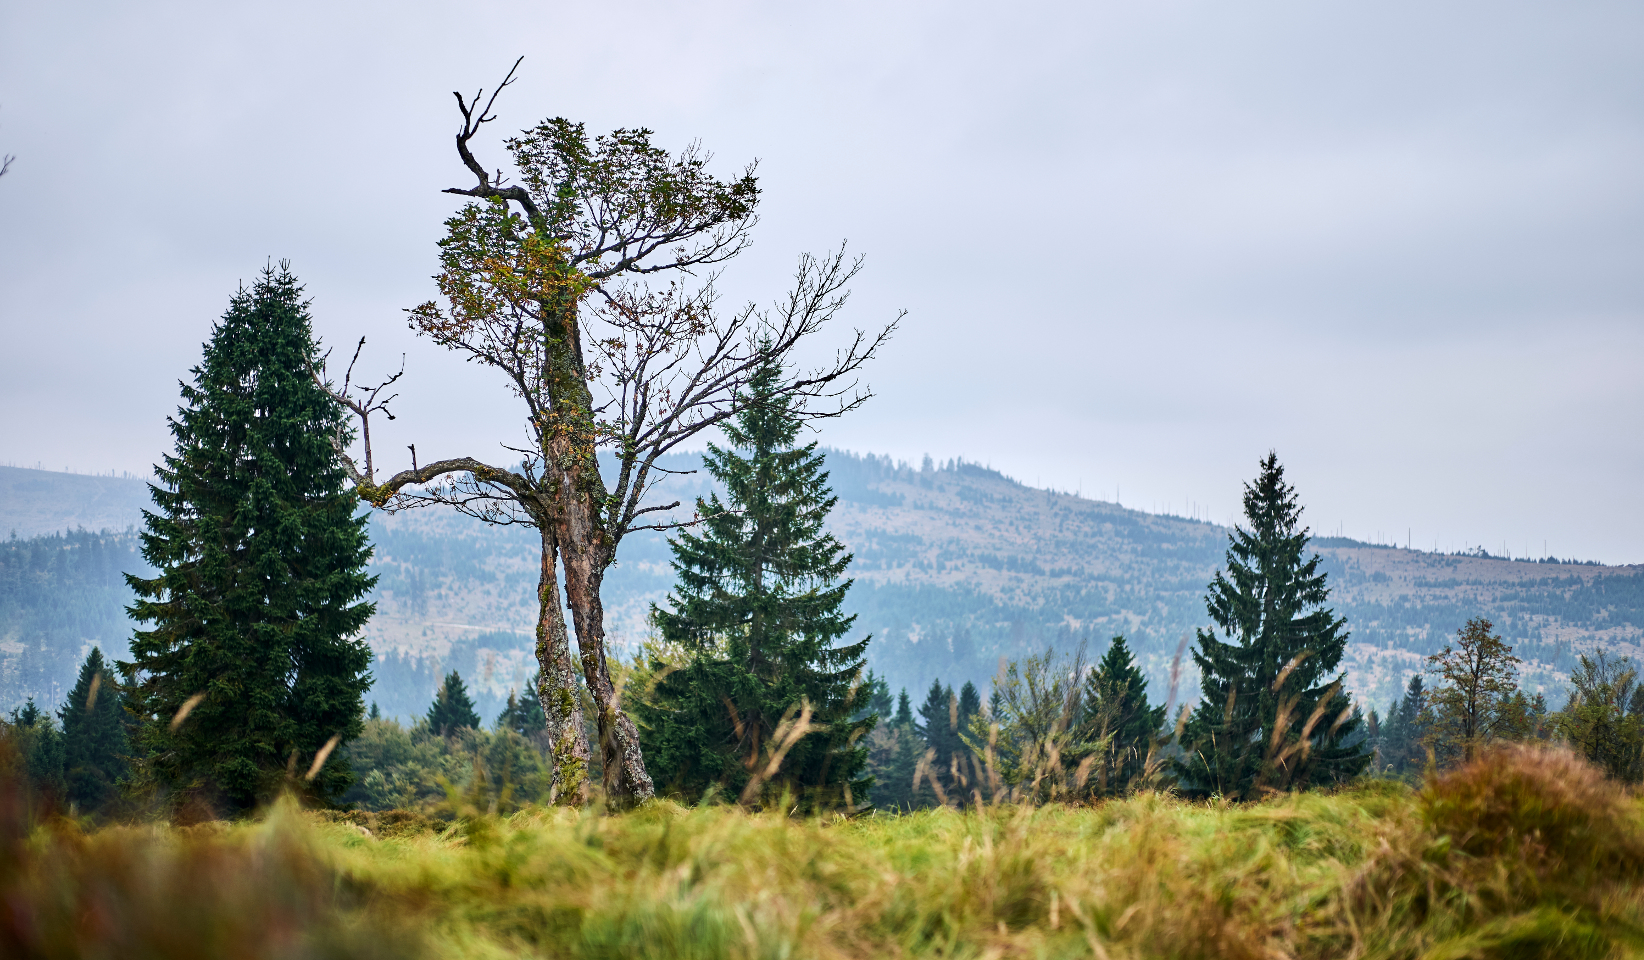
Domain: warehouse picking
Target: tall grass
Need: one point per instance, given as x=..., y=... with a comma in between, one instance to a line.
x=1521, y=854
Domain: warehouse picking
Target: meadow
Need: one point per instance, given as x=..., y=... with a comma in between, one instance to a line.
x=1526, y=853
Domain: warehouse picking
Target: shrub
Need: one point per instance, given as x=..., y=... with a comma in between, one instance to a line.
x=417, y=769
x=1522, y=852
x=1550, y=816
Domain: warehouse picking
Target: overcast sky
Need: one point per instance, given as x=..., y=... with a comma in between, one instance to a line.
x=1140, y=244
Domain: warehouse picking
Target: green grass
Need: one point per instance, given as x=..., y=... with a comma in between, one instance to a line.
x=1527, y=854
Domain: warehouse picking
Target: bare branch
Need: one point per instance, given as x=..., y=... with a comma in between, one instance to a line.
x=487, y=492
x=372, y=402
x=473, y=116
x=671, y=365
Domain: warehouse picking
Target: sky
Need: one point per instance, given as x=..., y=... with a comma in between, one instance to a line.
x=1140, y=245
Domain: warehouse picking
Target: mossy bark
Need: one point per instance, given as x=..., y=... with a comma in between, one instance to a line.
x=581, y=532
x=557, y=684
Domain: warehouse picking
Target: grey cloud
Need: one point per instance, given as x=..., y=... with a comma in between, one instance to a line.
x=1141, y=243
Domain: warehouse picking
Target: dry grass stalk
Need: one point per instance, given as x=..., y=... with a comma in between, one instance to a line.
x=786, y=734
x=1523, y=853
x=325, y=752
x=186, y=709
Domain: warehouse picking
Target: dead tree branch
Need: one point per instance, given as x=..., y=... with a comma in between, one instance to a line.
x=469, y=485
x=473, y=116
x=672, y=367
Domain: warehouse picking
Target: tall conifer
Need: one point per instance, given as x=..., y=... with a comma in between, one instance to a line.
x=255, y=612
x=1273, y=715
x=757, y=606
x=94, y=735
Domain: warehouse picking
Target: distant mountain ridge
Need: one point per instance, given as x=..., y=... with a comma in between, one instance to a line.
x=38, y=502
x=955, y=566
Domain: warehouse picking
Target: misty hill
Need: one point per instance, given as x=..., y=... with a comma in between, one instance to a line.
x=956, y=566
x=37, y=502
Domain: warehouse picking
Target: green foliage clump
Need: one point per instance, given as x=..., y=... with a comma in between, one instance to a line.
x=894, y=751
x=416, y=768
x=1272, y=715
x=1604, y=720
x=39, y=744
x=1400, y=738
x=1030, y=744
x=523, y=714
x=252, y=661
x=1053, y=728
x=762, y=694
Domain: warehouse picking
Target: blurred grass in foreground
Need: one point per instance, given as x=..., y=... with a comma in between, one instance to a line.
x=1524, y=854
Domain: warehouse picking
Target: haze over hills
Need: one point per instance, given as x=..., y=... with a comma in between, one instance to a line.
x=36, y=502
x=955, y=565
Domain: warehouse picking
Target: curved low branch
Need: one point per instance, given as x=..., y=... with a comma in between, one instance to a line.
x=379, y=494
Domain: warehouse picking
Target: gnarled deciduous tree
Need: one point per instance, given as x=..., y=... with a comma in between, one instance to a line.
x=548, y=281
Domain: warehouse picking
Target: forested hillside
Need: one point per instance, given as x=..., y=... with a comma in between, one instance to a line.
x=59, y=594
x=956, y=566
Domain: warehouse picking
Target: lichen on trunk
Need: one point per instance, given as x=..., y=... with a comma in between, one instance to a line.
x=556, y=685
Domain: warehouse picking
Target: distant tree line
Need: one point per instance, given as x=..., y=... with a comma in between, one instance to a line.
x=745, y=695
x=59, y=593
x=1468, y=700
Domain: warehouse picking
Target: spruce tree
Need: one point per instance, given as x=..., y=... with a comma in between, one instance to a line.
x=94, y=735
x=757, y=607
x=898, y=748
x=936, y=725
x=523, y=714
x=1401, y=731
x=452, y=708
x=970, y=704
x=255, y=612
x=40, y=745
x=1116, y=707
x=1274, y=715
x=946, y=716
x=938, y=722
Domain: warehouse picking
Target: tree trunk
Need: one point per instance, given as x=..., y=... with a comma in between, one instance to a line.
x=626, y=781
x=557, y=685
x=571, y=469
